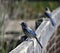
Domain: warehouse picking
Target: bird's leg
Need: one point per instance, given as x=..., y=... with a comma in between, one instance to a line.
x=27, y=39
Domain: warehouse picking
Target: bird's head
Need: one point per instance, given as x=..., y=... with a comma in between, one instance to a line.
x=46, y=8
x=23, y=24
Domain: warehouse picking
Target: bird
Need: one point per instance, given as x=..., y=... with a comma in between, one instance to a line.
x=49, y=14
x=29, y=32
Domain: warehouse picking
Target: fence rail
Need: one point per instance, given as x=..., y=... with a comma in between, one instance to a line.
x=44, y=32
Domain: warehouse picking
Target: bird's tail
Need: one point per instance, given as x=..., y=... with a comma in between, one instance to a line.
x=39, y=42
x=52, y=21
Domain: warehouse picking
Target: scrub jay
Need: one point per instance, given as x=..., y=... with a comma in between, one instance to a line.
x=29, y=32
x=48, y=14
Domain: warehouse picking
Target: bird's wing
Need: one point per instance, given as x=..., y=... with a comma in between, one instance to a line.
x=31, y=31
x=48, y=14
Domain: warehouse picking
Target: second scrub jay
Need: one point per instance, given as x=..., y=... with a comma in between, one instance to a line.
x=29, y=32
x=48, y=14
